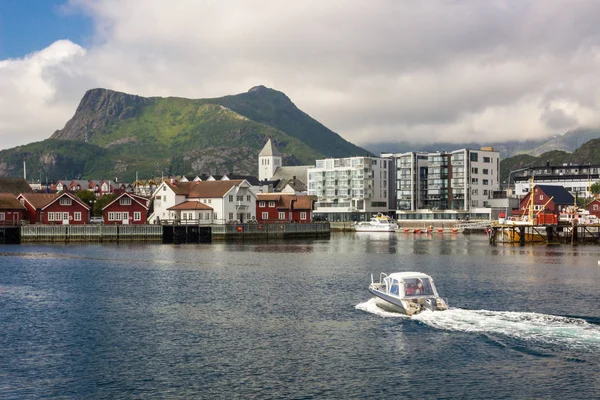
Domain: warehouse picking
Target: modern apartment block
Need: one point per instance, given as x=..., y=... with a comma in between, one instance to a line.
x=575, y=178
x=349, y=189
x=445, y=185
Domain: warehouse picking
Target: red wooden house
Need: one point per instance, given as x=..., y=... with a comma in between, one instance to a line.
x=126, y=209
x=594, y=207
x=280, y=207
x=547, y=199
x=58, y=208
x=11, y=210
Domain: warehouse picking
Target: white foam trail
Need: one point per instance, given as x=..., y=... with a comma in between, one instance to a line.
x=371, y=306
x=540, y=328
x=521, y=325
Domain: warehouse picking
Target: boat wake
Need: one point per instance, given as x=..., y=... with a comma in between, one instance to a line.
x=542, y=329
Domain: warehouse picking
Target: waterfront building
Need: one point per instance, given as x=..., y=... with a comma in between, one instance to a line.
x=126, y=209
x=56, y=208
x=547, y=199
x=223, y=202
x=282, y=207
x=12, y=212
x=353, y=188
x=446, y=185
x=594, y=207
x=575, y=178
x=278, y=178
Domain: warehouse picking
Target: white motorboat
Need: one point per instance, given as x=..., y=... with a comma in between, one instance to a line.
x=379, y=223
x=407, y=292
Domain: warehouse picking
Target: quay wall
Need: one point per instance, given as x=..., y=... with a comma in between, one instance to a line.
x=90, y=233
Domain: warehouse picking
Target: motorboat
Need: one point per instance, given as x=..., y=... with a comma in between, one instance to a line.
x=379, y=223
x=407, y=292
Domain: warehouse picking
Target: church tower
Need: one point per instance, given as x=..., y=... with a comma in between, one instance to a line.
x=269, y=159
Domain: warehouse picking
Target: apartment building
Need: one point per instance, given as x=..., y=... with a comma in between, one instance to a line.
x=445, y=185
x=575, y=178
x=353, y=188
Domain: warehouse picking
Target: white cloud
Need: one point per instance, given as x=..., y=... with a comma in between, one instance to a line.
x=381, y=70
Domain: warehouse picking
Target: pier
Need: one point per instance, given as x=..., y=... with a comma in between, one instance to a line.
x=545, y=234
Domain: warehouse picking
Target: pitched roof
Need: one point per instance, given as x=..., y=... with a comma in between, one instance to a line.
x=560, y=194
x=39, y=200
x=299, y=172
x=204, y=189
x=190, y=205
x=295, y=184
x=252, y=180
x=73, y=197
x=138, y=199
x=286, y=200
x=9, y=200
x=14, y=186
x=304, y=202
x=82, y=183
x=269, y=150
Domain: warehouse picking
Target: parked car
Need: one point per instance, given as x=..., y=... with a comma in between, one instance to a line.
x=97, y=220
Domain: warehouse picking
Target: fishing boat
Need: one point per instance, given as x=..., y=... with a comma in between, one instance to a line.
x=407, y=292
x=379, y=223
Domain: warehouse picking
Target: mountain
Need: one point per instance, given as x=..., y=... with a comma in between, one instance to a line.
x=588, y=153
x=568, y=142
x=114, y=134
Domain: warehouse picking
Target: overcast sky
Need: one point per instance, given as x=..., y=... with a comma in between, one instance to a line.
x=371, y=70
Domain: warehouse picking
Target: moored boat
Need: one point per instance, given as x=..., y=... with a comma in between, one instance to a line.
x=407, y=292
x=379, y=223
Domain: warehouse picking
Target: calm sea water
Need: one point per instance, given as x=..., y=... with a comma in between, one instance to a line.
x=295, y=320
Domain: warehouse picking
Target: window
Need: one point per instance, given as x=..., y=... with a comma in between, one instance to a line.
x=65, y=216
x=137, y=216
x=65, y=201
x=486, y=159
x=164, y=188
x=117, y=216
x=50, y=216
x=125, y=201
x=111, y=216
x=77, y=216
x=541, y=197
x=230, y=197
x=485, y=172
x=271, y=204
x=200, y=215
x=474, y=157
x=261, y=203
x=303, y=215
x=474, y=180
x=239, y=198
x=248, y=198
x=265, y=215
x=474, y=170
x=215, y=216
x=485, y=181
x=230, y=216
x=249, y=215
x=595, y=207
x=281, y=214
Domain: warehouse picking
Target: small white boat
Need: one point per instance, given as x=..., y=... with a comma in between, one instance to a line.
x=379, y=223
x=407, y=292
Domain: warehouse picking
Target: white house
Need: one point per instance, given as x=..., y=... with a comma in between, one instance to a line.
x=211, y=202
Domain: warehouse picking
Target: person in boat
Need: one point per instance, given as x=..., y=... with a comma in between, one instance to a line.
x=420, y=289
x=410, y=290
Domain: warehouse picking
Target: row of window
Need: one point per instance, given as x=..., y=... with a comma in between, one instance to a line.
x=240, y=198
x=265, y=215
x=61, y=216
x=262, y=204
x=240, y=215
x=120, y=216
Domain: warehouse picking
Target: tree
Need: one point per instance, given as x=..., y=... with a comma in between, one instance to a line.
x=595, y=188
x=88, y=197
x=101, y=203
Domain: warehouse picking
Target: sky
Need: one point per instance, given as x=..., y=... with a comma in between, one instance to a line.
x=373, y=71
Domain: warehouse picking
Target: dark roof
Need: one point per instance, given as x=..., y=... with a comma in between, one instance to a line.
x=252, y=180
x=295, y=184
x=190, y=205
x=559, y=193
x=15, y=186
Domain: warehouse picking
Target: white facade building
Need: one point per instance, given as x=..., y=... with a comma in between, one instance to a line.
x=446, y=185
x=269, y=159
x=576, y=179
x=222, y=202
x=348, y=188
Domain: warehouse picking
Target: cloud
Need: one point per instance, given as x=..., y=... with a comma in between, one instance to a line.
x=375, y=71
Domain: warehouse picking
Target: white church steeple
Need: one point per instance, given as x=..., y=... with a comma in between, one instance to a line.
x=269, y=159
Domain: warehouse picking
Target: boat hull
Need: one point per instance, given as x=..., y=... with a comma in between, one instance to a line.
x=406, y=307
x=374, y=228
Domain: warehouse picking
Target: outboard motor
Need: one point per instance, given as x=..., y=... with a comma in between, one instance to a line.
x=430, y=304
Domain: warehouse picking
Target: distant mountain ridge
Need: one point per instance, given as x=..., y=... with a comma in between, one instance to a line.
x=119, y=134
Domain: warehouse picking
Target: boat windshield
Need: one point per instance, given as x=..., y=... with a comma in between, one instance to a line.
x=417, y=287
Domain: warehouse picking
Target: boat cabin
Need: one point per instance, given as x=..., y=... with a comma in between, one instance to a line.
x=407, y=284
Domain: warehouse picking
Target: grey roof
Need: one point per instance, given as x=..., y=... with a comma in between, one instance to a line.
x=299, y=172
x=83, y=183
x=295, y=184
x=270, y=150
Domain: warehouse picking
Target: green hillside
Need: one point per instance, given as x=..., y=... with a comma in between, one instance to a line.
x=116, y=134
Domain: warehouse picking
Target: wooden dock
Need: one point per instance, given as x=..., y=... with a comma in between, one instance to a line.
x=545, y=234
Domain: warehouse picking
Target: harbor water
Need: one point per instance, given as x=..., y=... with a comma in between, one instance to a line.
x=294, y=319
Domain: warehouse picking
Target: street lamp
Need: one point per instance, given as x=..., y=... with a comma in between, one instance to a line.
x=508, y=188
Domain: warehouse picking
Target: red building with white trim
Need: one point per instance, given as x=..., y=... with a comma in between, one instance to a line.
x=11, y=210
x=280, y=207
x=126, y=209
x=55, y=209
